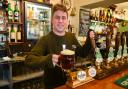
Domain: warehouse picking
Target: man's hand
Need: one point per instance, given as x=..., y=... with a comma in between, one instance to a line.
x=91, y=35
x=55, y=59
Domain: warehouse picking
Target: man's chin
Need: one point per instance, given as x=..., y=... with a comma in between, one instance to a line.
x=60, y=29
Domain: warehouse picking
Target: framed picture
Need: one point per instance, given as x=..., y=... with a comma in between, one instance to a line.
x=84, y=21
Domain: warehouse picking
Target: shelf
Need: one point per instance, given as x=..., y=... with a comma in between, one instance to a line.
x=3, y=32
x=43, y=20
x=25, y=77
x=102, y=34
x=18, y=23
x=12, y=60
x=36, y=2
x=2, y=49
x=15, y=43
x=3, y=83
x=94, y=21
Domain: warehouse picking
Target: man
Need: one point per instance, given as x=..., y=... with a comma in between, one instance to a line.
x=47, y=49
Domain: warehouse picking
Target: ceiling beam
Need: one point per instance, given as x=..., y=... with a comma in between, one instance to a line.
x=105, y=3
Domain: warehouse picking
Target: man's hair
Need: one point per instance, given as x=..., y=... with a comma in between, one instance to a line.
x=60, y=7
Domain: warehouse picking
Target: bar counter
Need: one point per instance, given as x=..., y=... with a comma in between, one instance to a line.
x=106, y=83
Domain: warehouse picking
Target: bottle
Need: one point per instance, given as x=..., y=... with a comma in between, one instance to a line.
x=46, y=14
x=16, y=13
x=12, y=34
x=41, y=15
x=69, y=27
x=108, y=15
x=5, y=3
x=10, y=13
x=18, y=34
x=105, y=15
x=100, y=13
x=31, y=13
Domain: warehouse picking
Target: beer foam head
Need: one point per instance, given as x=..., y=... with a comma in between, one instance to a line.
x=67, y=52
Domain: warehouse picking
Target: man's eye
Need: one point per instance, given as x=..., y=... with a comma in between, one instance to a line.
x=57, y=17
x=63, y=18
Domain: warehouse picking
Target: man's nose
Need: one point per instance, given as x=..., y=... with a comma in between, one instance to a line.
x=60, y=19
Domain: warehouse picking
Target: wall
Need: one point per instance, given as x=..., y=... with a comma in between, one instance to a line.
x=55, y=1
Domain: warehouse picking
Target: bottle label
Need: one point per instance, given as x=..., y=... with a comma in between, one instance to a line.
x=16, y=18
x=13, y=35
x=10, y=13
x=18, y=35
x=10, y=17
x=16, y=14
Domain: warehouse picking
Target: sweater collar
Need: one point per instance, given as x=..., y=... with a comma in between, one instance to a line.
x=57, y=35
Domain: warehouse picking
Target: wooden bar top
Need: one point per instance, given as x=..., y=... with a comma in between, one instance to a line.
x=106, y=83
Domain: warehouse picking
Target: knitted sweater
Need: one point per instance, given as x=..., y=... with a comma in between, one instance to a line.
x=52, y=44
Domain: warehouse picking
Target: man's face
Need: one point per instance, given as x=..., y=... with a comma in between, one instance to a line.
x=59, y=21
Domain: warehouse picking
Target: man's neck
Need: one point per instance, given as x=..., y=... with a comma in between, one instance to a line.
x=59, y=33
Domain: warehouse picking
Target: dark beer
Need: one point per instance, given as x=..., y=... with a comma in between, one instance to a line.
x=67, y=59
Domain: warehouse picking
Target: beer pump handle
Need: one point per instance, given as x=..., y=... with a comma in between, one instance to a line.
x=64, y=46
x=93, y=43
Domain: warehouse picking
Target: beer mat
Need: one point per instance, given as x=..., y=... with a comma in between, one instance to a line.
x=123, y=81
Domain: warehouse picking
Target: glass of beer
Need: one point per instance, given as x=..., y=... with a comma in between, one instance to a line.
x=67, y=59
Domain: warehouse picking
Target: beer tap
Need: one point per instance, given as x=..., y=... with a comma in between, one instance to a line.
x=98, y=56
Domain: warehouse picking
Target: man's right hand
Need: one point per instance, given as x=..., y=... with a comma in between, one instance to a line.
x=55, y=59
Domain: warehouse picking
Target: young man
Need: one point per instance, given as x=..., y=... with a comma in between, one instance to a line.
x=47, y=48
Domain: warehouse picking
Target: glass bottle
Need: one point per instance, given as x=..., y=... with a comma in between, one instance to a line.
x=12, y=34
x=18, y=35
x=69, y=27
x=108, y=16
x=16, y=12
x=5, y=3
x=10, y=13
x=31, y=13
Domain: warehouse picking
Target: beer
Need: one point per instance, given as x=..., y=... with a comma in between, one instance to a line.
x=67, y=59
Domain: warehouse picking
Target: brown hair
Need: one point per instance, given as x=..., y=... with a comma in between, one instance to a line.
x=60, y=7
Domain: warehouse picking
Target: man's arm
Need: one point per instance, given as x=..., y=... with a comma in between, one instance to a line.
x=38, y=55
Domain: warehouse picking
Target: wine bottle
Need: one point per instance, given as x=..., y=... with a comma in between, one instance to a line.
x=12, y=34
x=16, y=13
x=18, y=34
x=10, y=13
